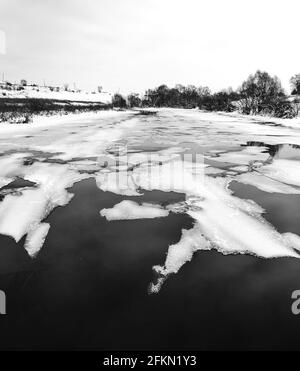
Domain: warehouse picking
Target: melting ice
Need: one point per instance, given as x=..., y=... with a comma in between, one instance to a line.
x=221, y=220
x=129, y=210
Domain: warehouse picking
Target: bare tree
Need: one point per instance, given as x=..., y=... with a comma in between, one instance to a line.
x=134, y=100
x=260, y=92
x=295, y=83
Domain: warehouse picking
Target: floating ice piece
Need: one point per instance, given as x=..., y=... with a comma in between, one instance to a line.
x=213, y=171
x=233, y=231
x=129, y=210
x=266, y=184
x=175, y=176
x=90, y=142
x=292, y=240
x=10, y=167
x=229, y=224
x=35, y=238
x=285, y=171
x=229, y=230
x=179, y=254
x=171, y=150
x=245, y=156
x=120, y=183
x=138, y=159
x=21, y=213
x=241, y=169
x=88, y=166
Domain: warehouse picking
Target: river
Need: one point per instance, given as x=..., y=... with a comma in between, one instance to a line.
x=172, y=231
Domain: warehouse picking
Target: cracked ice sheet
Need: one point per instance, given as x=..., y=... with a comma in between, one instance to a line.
x=69, y=136
x=178, y=255
x=266, y=184
x=227, y=224
x=10, y=167
x=244, y=125
x=120, y=183
x=222, y=221
x=22, y=215
x=35, y=238
x=130, y=210
x=245, y=156
x=89, y=142
x=285, y=171
x=219, y=210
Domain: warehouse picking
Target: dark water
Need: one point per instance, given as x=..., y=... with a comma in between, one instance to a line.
x=282, y=210
x=87, y=289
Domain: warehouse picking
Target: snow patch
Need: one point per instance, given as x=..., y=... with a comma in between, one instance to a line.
x=178, y=255
x=266, y=184
x=245, y=156
x=285, y=171
x=129, y=210
x=120, y=183
x=21, y=213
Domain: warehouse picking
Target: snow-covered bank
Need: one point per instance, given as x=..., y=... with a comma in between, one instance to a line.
x=293, y=123
x=41, y=92
x=40, y=121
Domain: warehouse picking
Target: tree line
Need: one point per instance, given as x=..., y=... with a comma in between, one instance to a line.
x=261, y=93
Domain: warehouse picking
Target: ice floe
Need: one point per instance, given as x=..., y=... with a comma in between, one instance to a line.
x=10, y=167
x=35, y=238
x=227, y=223
x=22, y=213
x=179, y=254
x=266, y=184
x=90, y=142
x=222, y=221
x=285, y=171
x=130, y=210
x=120, y=183
x=245, y=156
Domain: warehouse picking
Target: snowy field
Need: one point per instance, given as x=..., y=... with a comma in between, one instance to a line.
x=45, y=93
x=188, y=152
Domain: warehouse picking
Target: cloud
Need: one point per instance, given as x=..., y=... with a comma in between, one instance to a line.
x=2, y=42
x=134, y=44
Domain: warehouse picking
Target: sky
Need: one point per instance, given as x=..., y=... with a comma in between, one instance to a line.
x=132, y=45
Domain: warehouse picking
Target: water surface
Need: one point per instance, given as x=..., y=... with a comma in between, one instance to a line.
x=88, y=286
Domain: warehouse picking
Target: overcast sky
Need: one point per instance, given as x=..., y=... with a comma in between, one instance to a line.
x=131, y=45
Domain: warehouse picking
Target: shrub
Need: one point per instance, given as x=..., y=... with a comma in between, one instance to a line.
x=119, y=101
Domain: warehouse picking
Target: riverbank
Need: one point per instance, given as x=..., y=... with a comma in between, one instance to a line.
x=24, y=110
